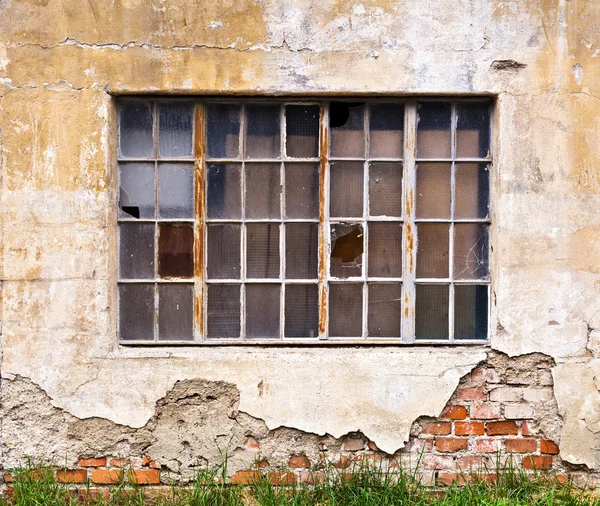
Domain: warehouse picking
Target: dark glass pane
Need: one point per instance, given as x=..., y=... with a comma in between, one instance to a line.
x=386, y=130
x=175, y=251
x=301, y=311
x=473, y=130
x=136, y=130
x=347, y=247
x=471, y=251
x=346, y=189
x=302, y=190
x=224, y=191
x=136, y=196
x=385, y=249
x=431, y=312
x=262, y=250
x=347, y=129
x=301, y=254
x=385, y=301
x=472, y=191
x=385, y=189
x=136, y=312
x=433, y=250
x=222, y=130
x=175, y=312
x=345, y=309
x=302, y=130
x=176, y=190
x=433, y=130
x=223, y=252
x=263, y=133
x=136, y=250
x=433, y=190
x=470, y=312
x=223, y=311
x=262, y=310
x=263, y=190
x=175, y=126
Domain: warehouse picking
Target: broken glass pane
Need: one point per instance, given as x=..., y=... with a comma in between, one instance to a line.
x=136, y=198
x=263, y=190
x=136, y=312
x=222, y=130
x=347, y=129
x=431, y=312
x=262, y=250
x=175, y=126
x=471, y=251
x=263, y=133
x=345, y=309
x=175, y=312
x=470, y=311
x=136, y=250
x=301, y=311
x=347, y=246
x=302, y=190
x=433, y=190
x=385, y=249
x=386, y=130
x=224, y=191
x=346, y=184
x=301, y=257
x=433, y=130
x=433, y=250
x=136, y=130
x=175, y=251
x=472, y=191
x=385, y=189
x=223, y=252
x=176, y=190
x=473, y=130
x=302, y=130
x=223, y=311
x=262, y=310
x=385, y=301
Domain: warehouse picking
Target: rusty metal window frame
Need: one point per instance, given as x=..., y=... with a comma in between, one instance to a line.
x=409, y=222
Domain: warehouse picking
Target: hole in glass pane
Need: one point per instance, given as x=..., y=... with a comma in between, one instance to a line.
x=223, y=311
x=472, y=191
x=175, y=312
x=263, y=190
x=346, y=184
x=385, y=189
x=136, y=312
x=433, y=130
x=385, y=250
x=386, y=130
x=433, y=190
x=385, y=301
x=471, y=251
x=262, y=250
x=136, y=198
x=175, y=251
x=302, y=130
x=431, y=312
x=347, y=129
x=347, y=246
x=224, y=189
x=136, y=130
x=473, y=130
x=470, y=312
x=262, y=310
x=176, y=190
x=222, y=130
x=223, y=252
x=433, y=250
x=345, y=310
x=302, y=190
x=175, y=125
x=136, y=250
x=301, y=311
x=263, y=133
x=301, y=257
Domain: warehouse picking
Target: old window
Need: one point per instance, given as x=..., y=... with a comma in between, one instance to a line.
x=249, y=221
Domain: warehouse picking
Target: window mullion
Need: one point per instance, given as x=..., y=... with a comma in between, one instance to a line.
x=199, y=232
x=324, y=236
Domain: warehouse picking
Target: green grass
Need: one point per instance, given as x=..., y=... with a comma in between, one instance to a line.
x=362, y=486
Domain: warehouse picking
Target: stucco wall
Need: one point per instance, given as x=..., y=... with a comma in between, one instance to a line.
x=62, y=60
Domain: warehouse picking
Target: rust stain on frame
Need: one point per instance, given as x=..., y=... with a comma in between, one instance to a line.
x=199, y=203
x=323, y=154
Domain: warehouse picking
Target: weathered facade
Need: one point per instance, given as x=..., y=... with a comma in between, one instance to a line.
x=70, y=391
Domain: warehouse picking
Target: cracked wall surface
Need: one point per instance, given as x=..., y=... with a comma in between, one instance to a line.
x=61, y=62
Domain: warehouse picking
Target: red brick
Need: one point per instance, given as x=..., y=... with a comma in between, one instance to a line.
x=312, y=477
x=299, y=462
x=107, y=476
x=144, y=476
x=541, y=463
x=262, y=464
x=469, y=462
x=547, y=446
x=430, y=461
x=521, y=445
x=454, y=413
x=71, y=476
x=92, y=462
x=438, y=428
x=489, y=478
x=448, y=479
x=118, y=462
x=504, y=428
x=563, y=479
x=472, y=394
x=343, y=463
x=252, y=443
x=485, y=375
x=8, y=478
x=373, y=446
x=145, y=460
x=282, y=478
x=526, y=429
x=485, y=412
x=469, y=428
x=484, y=445
x=94, y=494
x=247, y=477
x=450, y=444
x=353, y=444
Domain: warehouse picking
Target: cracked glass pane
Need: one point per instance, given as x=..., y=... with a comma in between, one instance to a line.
x=176, y=190
x=136, y=197
x=263, y=190
x=385, y=189
x=433, y=250
x=223, y=130
x=386, y=131
x=471, y=251
x=384, y=312
x=347, y=129
x=136, y=312
x=263, y=133
x=223, y=311
x=433, y=130
x=385, y=249
x=347, y=247
x=262, y=310
x=301, y=254
x=302, y=130
x=470, y=311
x=175, y=127
x=175, y=312
x=431, y=312
x=136, y=250
x=472, y=191
x=346, y=184
x=223, y=252
x=345, y=309
x=262, y=250
x=175, y=251
x=301, y=311
x=302, y=190
x=433, y=190
x=473, y=130
x=136, y=130
x=223, y=192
